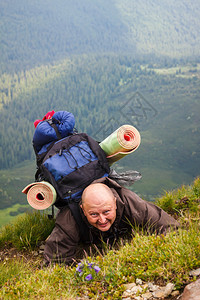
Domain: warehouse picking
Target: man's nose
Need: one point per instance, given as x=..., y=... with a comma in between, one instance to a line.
x=102, y=219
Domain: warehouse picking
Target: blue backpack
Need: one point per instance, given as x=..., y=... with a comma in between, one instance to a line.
x=69, y=161
x=71, y=164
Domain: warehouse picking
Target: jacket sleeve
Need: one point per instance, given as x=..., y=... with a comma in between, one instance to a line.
x=146, y=214
x=62, y=244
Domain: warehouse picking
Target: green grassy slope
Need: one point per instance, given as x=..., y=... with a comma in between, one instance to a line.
x=151, y=258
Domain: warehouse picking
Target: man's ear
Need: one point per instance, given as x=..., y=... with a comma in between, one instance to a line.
x=81, y=206
x=115, y=202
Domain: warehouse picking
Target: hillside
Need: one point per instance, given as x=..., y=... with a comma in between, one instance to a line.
x=104, y=93
x=168, y=28
x=160, y=260
x=40, y=32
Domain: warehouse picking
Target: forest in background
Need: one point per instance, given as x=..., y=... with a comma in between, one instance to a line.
x=34, y=33
x=109, y=63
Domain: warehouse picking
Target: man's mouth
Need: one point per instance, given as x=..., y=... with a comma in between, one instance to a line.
x=103, y=225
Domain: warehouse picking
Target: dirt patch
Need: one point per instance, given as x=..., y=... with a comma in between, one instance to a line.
x=10, y=253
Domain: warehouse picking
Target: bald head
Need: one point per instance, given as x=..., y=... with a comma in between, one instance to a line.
x=99, y=206
x=97, y=191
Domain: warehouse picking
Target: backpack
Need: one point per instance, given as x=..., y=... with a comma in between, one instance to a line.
x=70, y=165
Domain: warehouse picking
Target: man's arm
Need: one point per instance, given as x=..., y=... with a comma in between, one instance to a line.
x=61, y=245
x=146, y=214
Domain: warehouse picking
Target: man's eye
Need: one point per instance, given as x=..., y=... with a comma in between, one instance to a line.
x=93, y=214
x=106, y=212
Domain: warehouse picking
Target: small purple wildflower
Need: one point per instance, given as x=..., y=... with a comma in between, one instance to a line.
x=79, y=269
x=88, y=277
x=97, y=269
x=80, y=265
x=90, y=265
x=85, y=267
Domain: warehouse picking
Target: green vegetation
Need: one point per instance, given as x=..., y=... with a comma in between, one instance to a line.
x=183, y=199
x=109, y=63
x=27, y=231
x=150, y=258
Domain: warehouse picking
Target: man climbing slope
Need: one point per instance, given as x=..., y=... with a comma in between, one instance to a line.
x=107, y=211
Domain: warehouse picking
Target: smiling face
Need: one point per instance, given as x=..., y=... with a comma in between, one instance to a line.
x=99, y=206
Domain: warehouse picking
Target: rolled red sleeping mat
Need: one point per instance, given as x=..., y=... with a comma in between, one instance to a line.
x=40, y=195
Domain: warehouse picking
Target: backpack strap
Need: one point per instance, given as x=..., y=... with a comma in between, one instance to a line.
x=53, y=123
x=52, y=213
x=75, y=210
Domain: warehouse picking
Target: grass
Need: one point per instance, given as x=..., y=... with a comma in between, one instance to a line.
x=26, y=231
x=49, y=283
x=186, y=198
x=155, y=258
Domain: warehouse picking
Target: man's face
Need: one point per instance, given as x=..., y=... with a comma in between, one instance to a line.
x=100, y=210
